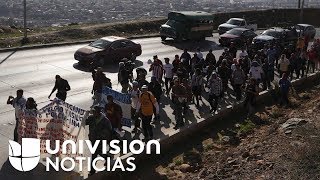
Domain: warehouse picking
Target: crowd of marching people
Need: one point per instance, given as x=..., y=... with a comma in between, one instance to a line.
x=185, y=80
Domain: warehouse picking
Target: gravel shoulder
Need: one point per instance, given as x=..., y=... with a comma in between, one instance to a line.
x=262, y=147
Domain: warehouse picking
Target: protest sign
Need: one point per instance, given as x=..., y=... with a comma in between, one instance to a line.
x=56, y=121
x=124, y=100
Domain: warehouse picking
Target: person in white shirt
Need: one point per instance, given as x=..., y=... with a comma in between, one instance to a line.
x=168, y=74
x=256, y=71
x=283, y=65
x=19, y=104
x=215, y=86
x=135, y=93
x=243, y=54
x=233, y=65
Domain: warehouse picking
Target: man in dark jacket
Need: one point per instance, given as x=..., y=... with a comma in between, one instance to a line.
x=210, y=58
x=155, y=88
x=62, y=86
x=224, y=73
x=99, y=129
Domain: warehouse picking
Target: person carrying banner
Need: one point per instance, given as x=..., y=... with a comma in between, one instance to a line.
x=18, y=103
x=31, y=104
x=114, y=113
x=100, y=80
x=145, y=109
x=179, y=98
x=62, y=86
x=99, y=129
x=135, y=93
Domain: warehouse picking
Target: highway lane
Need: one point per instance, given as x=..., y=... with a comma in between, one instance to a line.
x=34, y=72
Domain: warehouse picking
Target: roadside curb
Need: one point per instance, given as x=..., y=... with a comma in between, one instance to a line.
x=39, y=46
x=264, y=98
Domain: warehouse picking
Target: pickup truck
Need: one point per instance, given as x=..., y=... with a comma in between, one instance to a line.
x=236, y=23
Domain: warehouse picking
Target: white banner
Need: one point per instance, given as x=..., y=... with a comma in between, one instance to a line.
x=56, y=121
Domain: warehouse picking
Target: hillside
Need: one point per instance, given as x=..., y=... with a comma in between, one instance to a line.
x=11, y=36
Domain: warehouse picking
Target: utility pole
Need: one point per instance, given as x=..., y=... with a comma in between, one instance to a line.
x=299, y=4
x=301, y=11
x=25, y=38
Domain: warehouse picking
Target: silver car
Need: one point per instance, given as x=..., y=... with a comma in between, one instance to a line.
x=306, y=30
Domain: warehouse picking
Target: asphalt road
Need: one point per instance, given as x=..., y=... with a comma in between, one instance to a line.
x=34, y=71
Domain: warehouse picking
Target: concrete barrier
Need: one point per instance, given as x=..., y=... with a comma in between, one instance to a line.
x=265, y=98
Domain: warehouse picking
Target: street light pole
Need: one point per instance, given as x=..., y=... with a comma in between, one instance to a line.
x=301, y=11
x=25, y=21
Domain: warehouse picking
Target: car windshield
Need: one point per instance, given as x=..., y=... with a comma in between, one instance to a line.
x=234, y=22
x=100, y=43
x=171, y=22
x=275, y=34
x=235, y=32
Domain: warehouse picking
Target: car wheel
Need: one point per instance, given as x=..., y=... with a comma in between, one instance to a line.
x=82, y=63
x=163, y=38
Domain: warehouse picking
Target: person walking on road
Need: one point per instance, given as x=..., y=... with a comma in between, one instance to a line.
x=124, y=76
x=18, y=103
x=100, y=81
x=197, y=85
x=283, y=65
x=215, y=91
x=62, y=86
x=285, y=85
x=156, y=68
x=114, y=113
x=99, y=129
x=145, y=110
x=252, y=91
x=168, y=74
x=155, y=88
x=179, y=98
x=238, y=78
x=31, y=104
x=135, y=93
x=224, y=73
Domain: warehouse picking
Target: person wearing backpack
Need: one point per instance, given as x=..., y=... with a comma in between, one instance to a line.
x=224, y=73
x=145, y=110
x=100, y=128
x=238, y=77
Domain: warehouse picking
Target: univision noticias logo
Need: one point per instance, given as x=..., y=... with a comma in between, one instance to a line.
x=26, y=156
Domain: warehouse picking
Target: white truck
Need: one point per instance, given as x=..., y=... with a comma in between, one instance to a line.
x=236, y=23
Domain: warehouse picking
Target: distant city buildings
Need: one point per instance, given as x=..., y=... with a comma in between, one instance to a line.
x=60, y=12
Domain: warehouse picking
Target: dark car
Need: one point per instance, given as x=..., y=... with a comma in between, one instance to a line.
x=306, y=30
x=237, y=36
x=107, y=49
x=281, y=36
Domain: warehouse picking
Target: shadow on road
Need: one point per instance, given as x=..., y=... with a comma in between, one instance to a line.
x=6, y=58
x=192, y=46
x=110, y=67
